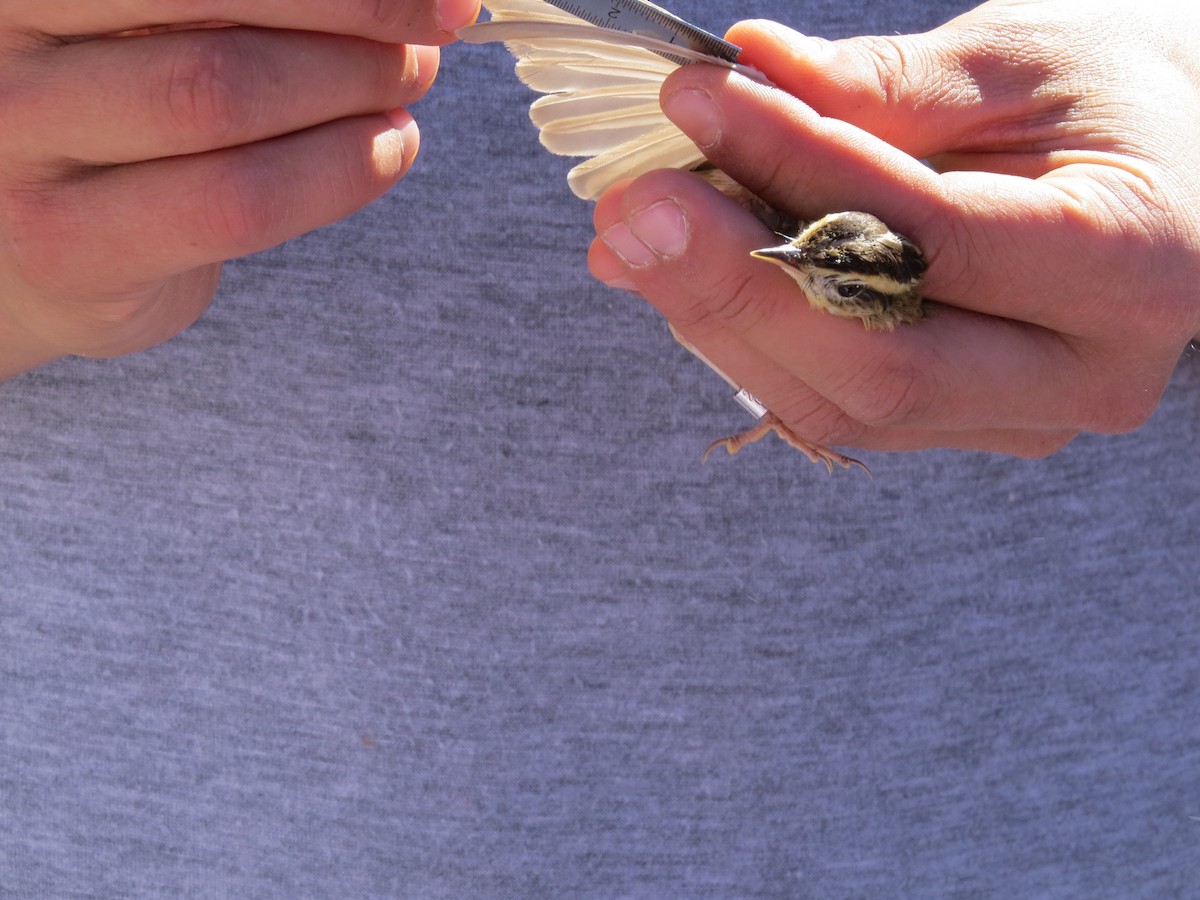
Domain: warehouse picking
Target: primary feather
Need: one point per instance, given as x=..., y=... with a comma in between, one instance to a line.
x=601, y=90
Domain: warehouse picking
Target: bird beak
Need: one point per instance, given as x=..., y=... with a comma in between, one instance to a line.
x=783, y=255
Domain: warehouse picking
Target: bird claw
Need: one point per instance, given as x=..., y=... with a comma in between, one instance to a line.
x=771, y=423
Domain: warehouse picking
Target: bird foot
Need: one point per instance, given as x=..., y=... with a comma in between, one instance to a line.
x=771, y=423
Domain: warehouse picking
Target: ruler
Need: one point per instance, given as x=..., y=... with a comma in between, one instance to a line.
x=640, y=17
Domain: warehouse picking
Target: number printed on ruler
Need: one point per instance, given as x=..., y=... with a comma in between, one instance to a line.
x=640, y=17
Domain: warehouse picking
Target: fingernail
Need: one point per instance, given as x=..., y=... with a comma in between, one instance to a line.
x=620, y=240
x=657, y=232
x=661, y=227
x=406, y=129
x=695, y=112
x=422, y=65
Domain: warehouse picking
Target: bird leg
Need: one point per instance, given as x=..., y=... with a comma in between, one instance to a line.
x=771, y=422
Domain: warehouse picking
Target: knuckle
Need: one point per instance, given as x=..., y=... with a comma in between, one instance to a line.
x=768, y=170
x=41, y=241
x=385, y=16
x=1163, y=275
x=952, y=250
x=734, y=300
x=204, y=89
x=888, y=59
x=1126, y=407
x=1117, y=397
x=822, y=423
x=17, y=101
x=238, y=209
x=891, y=391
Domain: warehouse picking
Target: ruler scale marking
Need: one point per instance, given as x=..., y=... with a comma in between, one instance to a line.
x=639, y=17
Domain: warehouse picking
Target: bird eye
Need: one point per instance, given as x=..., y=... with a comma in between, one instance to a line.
x=850, y=289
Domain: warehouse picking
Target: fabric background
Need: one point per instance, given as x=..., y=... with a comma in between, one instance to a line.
x=398, y=575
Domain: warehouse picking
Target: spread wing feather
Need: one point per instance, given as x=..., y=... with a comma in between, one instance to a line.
x=591, y=135
x=601, y=91
x=665, y=148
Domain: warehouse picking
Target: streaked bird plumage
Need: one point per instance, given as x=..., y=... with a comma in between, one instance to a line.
x=851, y=264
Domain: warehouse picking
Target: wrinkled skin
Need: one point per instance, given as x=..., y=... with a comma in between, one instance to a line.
x=1060, y=214
x=145, y=142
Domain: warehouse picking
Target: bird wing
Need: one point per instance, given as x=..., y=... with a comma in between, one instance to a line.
x=601, y=90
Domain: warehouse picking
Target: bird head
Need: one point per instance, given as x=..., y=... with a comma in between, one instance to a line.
x=851, y=264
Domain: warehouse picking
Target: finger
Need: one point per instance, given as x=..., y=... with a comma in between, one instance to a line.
x=603, y=264
x=720, y=348
x=191, y=91
x=1037, y=251
x=958, y=371
x=956, y=88
x=116, y=327
x=723, y=349
x=388, y=21
x=1025, y=443
x=802, y=409
x=1019, y=165
x=808, y=413
x=130, y=225
x=789, y=154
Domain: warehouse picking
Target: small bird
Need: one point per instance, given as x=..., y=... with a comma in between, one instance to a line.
x=851, y=264
x=848, y=264
x=601, y=102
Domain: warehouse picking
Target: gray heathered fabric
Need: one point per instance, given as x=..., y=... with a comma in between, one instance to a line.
x=398, y=575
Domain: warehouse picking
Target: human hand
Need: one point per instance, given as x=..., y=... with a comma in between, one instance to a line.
x=143, y=145
x=1061, y=220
